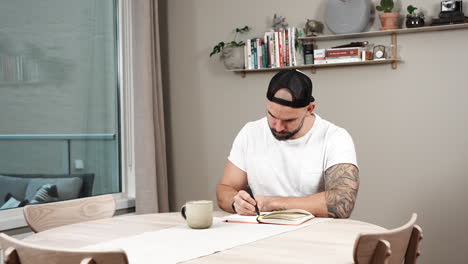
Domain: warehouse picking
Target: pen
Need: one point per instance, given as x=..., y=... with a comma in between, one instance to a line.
x=249, y=191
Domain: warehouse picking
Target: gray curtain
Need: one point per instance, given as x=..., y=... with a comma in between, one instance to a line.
x=150, y=140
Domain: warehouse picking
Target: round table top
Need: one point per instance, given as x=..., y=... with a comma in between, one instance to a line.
x=327, y=242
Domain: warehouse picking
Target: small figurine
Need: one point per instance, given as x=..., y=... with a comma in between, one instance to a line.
x=279, y=22
x=312, y=27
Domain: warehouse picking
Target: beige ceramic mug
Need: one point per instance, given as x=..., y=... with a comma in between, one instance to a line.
x=198, y=214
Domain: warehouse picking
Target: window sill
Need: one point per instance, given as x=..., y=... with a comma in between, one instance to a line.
x=13, y=218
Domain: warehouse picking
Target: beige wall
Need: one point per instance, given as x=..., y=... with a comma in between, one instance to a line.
x=408, y=124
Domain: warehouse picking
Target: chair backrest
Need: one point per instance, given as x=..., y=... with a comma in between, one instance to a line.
x=19, y=252
x=392, y=246
x=41, y=217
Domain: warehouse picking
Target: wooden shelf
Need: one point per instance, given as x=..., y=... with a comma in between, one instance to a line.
x=387, y=32
x=314, y=67
x=392, y=33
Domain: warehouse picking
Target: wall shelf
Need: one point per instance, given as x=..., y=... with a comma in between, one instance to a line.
x=392, y=33
x=387, y=32
x=314, y=67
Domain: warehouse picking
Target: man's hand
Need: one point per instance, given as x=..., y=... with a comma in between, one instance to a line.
x=244, y=204
x=268, y=203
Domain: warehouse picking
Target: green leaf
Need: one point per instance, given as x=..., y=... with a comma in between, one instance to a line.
x=217, y=48
x=385, y=6
x=411, y=9
x=390, y=6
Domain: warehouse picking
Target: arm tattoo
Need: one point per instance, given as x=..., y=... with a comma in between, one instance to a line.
x=341, y=187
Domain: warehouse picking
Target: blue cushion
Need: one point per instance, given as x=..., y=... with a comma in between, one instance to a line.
x=68, y=188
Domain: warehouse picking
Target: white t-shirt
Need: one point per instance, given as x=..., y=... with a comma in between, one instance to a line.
x=292, y=167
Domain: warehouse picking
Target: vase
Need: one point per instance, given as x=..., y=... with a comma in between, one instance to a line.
x=350, y=16
x=233, y=57
x=414, y=21
x=389, y=21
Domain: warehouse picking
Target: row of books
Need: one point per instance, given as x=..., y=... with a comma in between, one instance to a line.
x=341, y=55
x=18, y=69
x=276, y=49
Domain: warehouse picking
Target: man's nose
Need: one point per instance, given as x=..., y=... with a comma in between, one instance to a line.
x=279, y=126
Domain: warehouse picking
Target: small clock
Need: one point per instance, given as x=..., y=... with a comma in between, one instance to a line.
x=379, y=52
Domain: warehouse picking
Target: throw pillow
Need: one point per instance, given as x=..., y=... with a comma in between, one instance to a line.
x=68, y=188
x=11, y=202
x=45, y=194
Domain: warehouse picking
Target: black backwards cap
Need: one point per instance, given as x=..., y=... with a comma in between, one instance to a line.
x=297, y=83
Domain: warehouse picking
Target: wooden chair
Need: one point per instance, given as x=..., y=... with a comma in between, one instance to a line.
x=19, y=252
x=41, y=217
x=389, y=247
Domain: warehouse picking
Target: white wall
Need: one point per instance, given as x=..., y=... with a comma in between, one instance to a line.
x=409, y=124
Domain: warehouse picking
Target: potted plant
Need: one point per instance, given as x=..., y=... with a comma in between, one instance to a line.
x=388, y=18
x=412, y=19
x=232, y=53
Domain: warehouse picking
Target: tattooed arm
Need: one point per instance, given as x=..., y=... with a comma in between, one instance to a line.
x=341, y=187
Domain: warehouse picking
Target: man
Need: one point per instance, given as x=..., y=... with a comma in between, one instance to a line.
x=291, y=158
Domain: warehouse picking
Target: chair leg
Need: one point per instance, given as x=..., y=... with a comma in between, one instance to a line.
x=382, y=252
x=413, y=251
x=11, y=256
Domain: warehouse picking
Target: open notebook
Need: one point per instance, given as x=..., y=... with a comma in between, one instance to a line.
x=283, y=217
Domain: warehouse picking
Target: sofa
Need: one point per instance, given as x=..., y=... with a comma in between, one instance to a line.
x=17, y=190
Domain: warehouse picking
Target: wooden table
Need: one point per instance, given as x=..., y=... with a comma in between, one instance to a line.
x=327, y=242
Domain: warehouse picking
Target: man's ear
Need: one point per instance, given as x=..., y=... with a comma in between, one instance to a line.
x=310, y=107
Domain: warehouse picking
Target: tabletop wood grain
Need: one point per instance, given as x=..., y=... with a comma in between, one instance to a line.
x=327, y=242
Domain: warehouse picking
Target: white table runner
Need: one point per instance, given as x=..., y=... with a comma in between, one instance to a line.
x=181, y=243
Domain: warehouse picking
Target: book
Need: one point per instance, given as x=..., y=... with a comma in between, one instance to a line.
x=293, y=46
x=343, y=59
x=319, y=56
x=283, y=217
x=254, y=54
x=259, y=53
x=277, y=50
x=343, y=52
x=286, y=44
x=248, y=44
x=281, y=47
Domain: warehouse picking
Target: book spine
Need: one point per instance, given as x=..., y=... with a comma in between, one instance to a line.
x=343, y=60
x=286, y=40
x=293, y=46
x=264, y=55
x=277, y=50
x=280, y=47
x=246, y=61
x=340, y=53
x=267, y=50
x=259, y=53
x=272, y=49
x=248, y=44
x=254, y=53
x=319, y=56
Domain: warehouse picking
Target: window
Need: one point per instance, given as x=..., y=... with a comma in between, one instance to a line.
x=59, y=100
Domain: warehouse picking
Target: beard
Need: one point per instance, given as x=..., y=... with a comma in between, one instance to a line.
x=285, y=135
